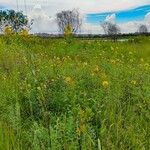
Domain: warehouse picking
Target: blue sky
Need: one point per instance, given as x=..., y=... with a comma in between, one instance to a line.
x=2, y=7
x=135, y=14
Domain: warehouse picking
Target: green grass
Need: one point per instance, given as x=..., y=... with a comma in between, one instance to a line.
x=70, y=95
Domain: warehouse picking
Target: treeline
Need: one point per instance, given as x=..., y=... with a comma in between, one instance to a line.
x=69, y=24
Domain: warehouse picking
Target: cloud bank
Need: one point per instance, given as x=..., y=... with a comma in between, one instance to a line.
x=43, y=12
x=127, y=27
x=88, y=6
x=47, y=24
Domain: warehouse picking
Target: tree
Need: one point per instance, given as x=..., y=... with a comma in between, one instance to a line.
x=142, y=29
x=15, y=20
x=110, y=29
x=70, y=19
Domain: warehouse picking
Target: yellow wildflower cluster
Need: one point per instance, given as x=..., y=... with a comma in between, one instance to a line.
x=24, y=32
x=8, y=30
x=105, y=83
x=81, y=129
x=113, y=61
x=85, y=64
x=68, y=79
x=134, y=82
x=96, y=69
x=142, y=60
x=68, y=31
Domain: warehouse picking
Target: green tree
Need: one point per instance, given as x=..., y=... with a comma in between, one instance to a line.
x=16, y=20
x=69, y=18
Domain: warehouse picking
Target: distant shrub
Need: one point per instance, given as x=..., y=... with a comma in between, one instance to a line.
x=111, y=29
x=143, y=29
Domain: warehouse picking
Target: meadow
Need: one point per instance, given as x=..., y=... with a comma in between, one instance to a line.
x=76, y=94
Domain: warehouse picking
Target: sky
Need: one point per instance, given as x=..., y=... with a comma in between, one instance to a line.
x=128, y=14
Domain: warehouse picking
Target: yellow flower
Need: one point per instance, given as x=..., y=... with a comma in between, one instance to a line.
x=57, y=58
x=83, y=128
x=68, y=31
x=45, y=86
x=52, y=80
x=8, y=30
x=29, y=85
x=85, y=64
x=142, y=60
x=68, y=79
x=39, y=88
x=147, y=66
x=112, y=48
x=24, y=32
x=96, y=69
x=78, y=131
x=133, y=82
x=4, y=77
x=105, y=84
x=113, y=61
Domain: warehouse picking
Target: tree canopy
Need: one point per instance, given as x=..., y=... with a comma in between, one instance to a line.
x=143, y=29
x=69, y=18
x=16, y=20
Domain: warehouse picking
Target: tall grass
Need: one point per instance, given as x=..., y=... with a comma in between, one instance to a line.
x=85, y=94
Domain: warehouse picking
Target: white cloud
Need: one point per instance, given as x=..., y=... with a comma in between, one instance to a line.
x=41, y=21
x=89, y=28
x=147, y=18
x=44, y=23
x=129, y=27
x=111, y=18
x=53, y=6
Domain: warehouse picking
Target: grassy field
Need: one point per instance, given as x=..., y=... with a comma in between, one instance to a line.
x=57, y=94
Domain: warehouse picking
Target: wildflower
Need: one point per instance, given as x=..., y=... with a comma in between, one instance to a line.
x=4, y=77
x=57, y=58
x=8, y=30
x=85, y=64
x=39, y=88
x=78, y=131
x=113, y=61
x=131, y=60
x=29, y=85
x=142, y=60
x=24, y=32
x=112, y=48
x=68, y=79
x=96, y=69
x=68, y=31
x=133, y=82
x=147, y=66
x=52, y=80
x=105, y=83
x=83, y=128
